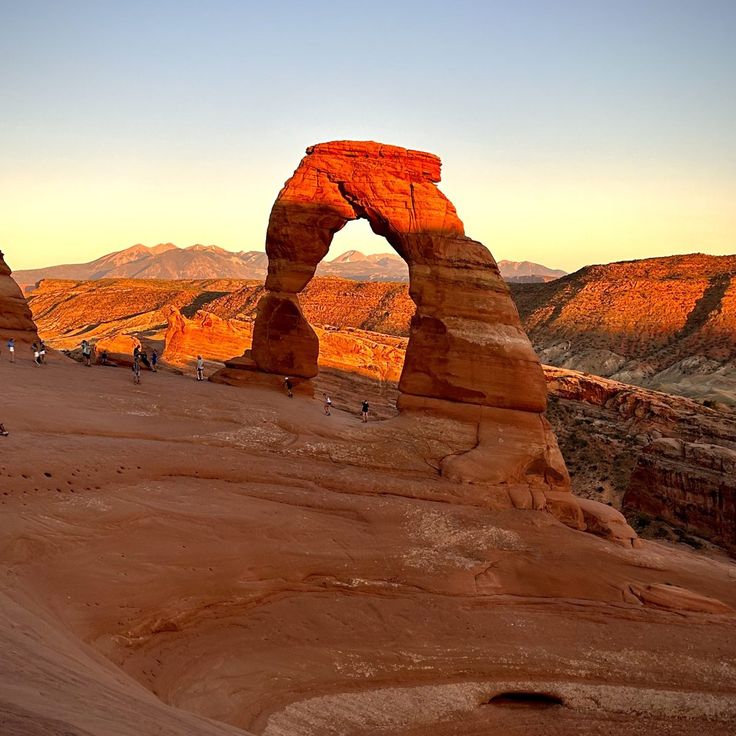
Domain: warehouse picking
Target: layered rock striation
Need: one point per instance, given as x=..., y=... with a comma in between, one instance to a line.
x=691, y=485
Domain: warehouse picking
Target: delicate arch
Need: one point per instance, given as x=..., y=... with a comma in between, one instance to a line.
x=466, y=342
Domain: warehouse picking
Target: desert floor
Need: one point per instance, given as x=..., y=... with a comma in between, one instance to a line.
x=191, y=558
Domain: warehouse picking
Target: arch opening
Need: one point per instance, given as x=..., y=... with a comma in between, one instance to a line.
x=359, y=309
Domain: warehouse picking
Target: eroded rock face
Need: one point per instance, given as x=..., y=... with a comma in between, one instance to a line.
x=689, y=484
x=15, y=317
x=207, y=334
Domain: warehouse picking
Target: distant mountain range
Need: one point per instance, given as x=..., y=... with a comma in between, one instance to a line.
x=167, y=261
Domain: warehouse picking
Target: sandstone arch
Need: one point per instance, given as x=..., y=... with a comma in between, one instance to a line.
x=468, y=357
x=466, y=341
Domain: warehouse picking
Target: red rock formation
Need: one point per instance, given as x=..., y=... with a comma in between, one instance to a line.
x=369, y=354
x=465, y=317
x=119, y=348
x=467, y=357
x=16, y=320
x=665, y=323
x=207, y=334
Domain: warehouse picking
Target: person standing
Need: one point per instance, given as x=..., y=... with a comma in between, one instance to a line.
x=364, y=410
x=87, y=353
x=42, y=351
x=36, y=353
x=154, y=360
x=200, y=368
x=11, y=349
x=136, y=369
x=328, y=405
x=288, y=386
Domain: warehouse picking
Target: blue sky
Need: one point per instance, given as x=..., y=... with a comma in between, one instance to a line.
x=570, y=132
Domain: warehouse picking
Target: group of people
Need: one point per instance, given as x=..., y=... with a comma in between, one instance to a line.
x=327, y=405
x=38, y=349
x=140, y=355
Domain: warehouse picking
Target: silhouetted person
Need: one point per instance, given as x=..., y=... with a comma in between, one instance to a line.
x=200, y=368
x=137, y=369
x=104, y=358
x=154, y=360
x=42, y=352
x=36, y=353
x=11, y=349
x=144, y=359
x=288, y=386
x=328, y=404
x=364, y=410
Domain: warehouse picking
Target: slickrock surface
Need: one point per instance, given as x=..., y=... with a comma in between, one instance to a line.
x=16, y=320
x=663, y=323
x=177, y=552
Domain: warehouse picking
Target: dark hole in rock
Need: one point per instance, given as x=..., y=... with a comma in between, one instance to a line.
x=525, y=700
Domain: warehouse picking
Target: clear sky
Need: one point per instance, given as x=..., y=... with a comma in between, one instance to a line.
x=571, y=131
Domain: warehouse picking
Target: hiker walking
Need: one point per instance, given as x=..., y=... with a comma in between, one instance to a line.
x=364, y=410
x=36, y=353
x=328, y=405
x=200, y=368
x=154, y=360
x=42, y=351
x=288, y=386
x=11, y=349
x=136, y=369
